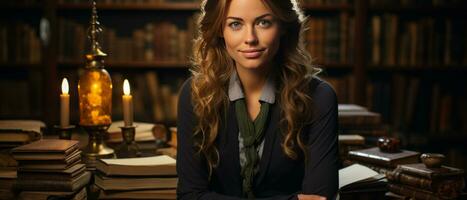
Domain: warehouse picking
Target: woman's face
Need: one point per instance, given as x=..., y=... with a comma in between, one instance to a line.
x=251, y=33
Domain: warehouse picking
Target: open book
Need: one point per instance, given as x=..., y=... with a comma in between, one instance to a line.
x=359, y=178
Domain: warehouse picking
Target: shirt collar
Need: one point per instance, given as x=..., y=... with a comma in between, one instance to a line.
x=268, y=93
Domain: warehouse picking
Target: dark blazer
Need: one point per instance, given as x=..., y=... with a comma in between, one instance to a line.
x=279, y=177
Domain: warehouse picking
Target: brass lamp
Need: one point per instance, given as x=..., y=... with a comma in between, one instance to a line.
x=95, y=98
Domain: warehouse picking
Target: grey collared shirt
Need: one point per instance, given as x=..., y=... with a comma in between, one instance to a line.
x=268, y=95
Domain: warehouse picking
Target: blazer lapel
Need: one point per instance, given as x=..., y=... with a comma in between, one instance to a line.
x=269, y=140
x=229, y=147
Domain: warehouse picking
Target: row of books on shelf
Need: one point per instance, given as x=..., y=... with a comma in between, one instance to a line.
x=330, y=39
x=411, y=3
x=21, y=96
x=19, y=43
x=420, y=105
x=161, y=41
x=421, y=42
x=326, y=2
x=342, y=85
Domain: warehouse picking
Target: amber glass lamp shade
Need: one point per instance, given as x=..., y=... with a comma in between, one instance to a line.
x=95, y=97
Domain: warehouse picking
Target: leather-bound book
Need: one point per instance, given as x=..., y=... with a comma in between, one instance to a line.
x=413, y=192
x=54, y=185
x=47, y=195
x=47, y=174
x=419, y=169
x=449, y=187
x=46, y=149
x=390, y=160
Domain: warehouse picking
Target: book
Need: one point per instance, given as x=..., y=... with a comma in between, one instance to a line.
x=351, y=140
x=358, y=177
x=49, y=166
x=139, y=194
x=450, y=187
x=6, y=160
x=19, y=132
x=394, y=196
x=412, y=192
x=54, y=185
x=7, y=179
x=419, y=169
x=59, y=175
x=47, y=195
x=45, y=149
x=142, y=166
x=143, y=132
x=359, y=119
x=134, y=183
x=72, y=158
x=390, y=160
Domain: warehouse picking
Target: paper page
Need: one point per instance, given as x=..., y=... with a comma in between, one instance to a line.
x=354, y=173
x=144, y=161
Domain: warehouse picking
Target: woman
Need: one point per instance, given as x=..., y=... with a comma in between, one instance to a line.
x=254, y=122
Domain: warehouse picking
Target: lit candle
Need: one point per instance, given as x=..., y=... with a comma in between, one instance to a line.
x=127, y=101
x=64, y=105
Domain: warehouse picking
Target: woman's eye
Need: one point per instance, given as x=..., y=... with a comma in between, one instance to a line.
x=264, y=23
x=235, y=25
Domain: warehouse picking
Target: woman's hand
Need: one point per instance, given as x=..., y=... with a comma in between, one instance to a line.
x=310, y=197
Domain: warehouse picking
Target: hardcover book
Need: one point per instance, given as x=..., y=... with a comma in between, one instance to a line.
x=376, y=157
x=59, y=175
x=144, y=166
x=16, y=132
x=134, y=183
x=45, y=149
x=139, y=194
x=53, y=185
x=449, y=187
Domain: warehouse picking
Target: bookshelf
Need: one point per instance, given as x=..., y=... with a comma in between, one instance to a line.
x=415, y=67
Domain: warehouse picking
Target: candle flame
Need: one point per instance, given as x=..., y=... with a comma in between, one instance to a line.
x=126, y=87
x=65, y=86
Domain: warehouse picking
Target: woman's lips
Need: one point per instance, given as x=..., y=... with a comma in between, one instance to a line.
x=252, y=53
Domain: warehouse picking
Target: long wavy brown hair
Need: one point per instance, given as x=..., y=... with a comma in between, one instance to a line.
x=212, y=67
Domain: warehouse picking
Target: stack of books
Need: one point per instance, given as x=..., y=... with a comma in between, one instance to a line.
x=355, y=119
x=137, y=178
x=51, y=168
x=382, y=161
x=14, y=133
x=348, y=143
x=420, y=182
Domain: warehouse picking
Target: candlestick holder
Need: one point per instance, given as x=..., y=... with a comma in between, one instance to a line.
x=96, y=147
x=129, y=148
x=64, y=133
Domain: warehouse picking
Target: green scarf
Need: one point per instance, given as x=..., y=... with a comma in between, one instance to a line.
x=252, y=134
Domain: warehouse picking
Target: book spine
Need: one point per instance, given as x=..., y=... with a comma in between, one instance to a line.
x=43, y=185
x=411, y=192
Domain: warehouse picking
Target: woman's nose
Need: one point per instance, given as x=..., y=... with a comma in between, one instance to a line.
x=251, y=37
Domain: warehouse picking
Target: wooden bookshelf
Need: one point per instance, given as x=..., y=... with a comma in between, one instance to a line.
x=439, y=68
x=21, y=6
x=12, y=66
x=328, y=8
x=424, y=10
x=130, y=64
x=183, y=6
